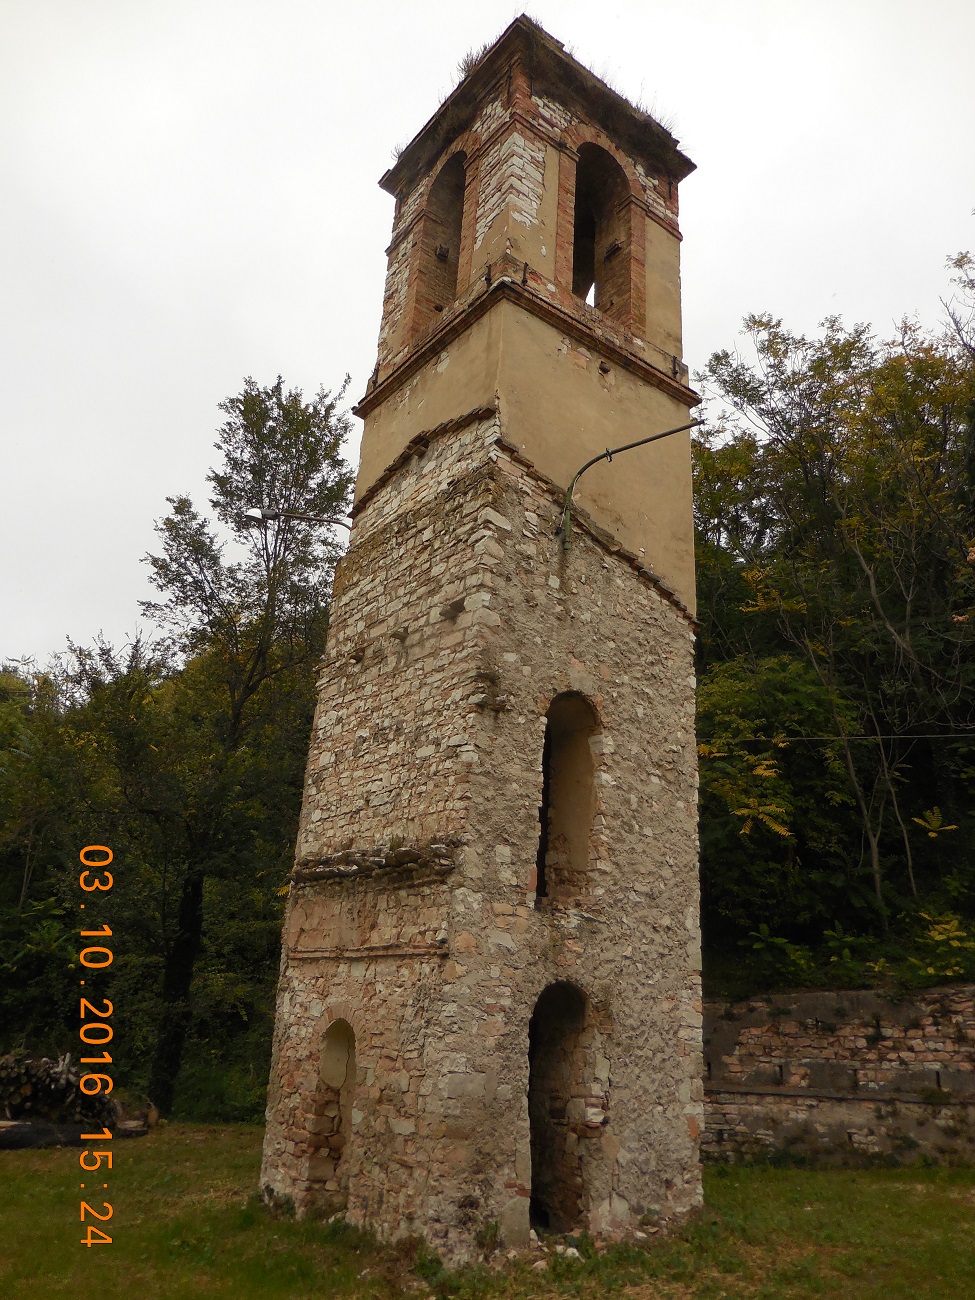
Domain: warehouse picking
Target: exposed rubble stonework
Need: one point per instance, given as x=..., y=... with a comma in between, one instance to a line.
x=489, y=1009
x=842, y=1077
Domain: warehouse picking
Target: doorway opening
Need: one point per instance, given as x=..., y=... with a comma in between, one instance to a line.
x=556, y=1091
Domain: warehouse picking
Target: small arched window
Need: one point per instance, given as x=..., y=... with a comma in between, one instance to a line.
x=568, y=798
x=440, y=244
x=338, y=1056
x=601, y=234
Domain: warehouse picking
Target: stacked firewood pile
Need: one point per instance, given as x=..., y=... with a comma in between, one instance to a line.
x=50, y=1090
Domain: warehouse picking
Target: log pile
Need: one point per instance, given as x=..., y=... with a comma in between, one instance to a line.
x=50, y=1090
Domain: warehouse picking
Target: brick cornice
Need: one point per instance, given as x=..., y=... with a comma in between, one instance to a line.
x=525, y=47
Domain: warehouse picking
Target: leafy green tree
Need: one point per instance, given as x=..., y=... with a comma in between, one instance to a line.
x=775, y=810
x=251, y=627
x=835, y=535
x=187, y=757
x=37, y=803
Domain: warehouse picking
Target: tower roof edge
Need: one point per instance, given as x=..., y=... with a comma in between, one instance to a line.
x=555, y=72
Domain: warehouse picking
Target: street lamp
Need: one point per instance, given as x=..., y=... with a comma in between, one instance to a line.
x=608, y=454
x=261, y=516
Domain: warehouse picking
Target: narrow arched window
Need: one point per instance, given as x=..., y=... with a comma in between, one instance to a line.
x=601, y=234
x=568, y=798
x=440, y=244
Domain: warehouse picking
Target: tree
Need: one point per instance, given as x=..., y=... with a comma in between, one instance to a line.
x=774, y=809
x=249, y=628
x=37, y=800
x=836, y=528
x=187, y=756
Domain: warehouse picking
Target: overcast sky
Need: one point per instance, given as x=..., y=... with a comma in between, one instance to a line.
x=189, y=197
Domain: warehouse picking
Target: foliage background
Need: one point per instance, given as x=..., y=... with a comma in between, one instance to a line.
x=835, y=505
x=186, y=756
x=835, y=516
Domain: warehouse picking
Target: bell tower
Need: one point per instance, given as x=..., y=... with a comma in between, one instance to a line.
x=489, y=1006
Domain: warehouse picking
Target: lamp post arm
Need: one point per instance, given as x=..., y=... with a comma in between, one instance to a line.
x=314, y=519
x=261, y=516
x=564, y=529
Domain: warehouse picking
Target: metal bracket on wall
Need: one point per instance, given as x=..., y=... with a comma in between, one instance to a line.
x=565, y=525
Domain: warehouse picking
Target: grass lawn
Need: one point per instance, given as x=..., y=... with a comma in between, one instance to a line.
x=186, y=1223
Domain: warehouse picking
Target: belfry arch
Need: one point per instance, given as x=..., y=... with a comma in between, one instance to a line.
x=601, y=233
x=439, y=247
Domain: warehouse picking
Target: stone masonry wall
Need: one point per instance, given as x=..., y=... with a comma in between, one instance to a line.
x=457, y=617
x=839, y=1076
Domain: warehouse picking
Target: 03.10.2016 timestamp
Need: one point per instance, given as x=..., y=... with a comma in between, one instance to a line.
x=94, y=1032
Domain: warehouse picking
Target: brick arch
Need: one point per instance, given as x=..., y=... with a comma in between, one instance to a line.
x=546, y=981
x=467, y=143
x=598, y=995
x=341, y=1011
x=581, y=133
x=625, y=281
x=594, y=701
x=466, y=147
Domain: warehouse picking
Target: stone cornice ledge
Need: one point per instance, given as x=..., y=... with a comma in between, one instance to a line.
x=350, y=864
x=370, y=952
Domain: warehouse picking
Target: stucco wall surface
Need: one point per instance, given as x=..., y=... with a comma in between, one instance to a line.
x=562, y=403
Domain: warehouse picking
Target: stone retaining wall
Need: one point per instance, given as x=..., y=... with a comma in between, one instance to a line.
x=840, y=1077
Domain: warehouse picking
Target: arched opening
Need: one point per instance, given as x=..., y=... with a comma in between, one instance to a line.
x=332, y=1116
x=440, y=244
x=556, y=1091
x=568, y=798
x=601, y=234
